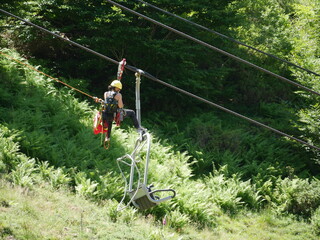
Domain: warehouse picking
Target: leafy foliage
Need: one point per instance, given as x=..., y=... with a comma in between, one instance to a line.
x=297, y=196
x=315, y=220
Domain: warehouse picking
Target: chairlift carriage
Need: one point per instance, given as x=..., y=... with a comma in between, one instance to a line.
x=141, y=194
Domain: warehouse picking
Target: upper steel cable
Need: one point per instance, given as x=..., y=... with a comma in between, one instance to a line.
x=226, y=37
x=214, y=48
x=61, y=37
x=149, y=76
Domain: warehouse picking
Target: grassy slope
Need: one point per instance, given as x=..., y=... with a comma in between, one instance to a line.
x=48, y=130
x=44, y=213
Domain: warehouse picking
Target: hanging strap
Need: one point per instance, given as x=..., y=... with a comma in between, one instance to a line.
x=119, y=116
x=121, y=68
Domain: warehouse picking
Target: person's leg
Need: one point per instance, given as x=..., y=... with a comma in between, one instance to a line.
x=109, y=129
x=108, y=119
x=131, y=114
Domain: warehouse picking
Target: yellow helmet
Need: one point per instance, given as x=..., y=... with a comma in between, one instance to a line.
x=116, y=83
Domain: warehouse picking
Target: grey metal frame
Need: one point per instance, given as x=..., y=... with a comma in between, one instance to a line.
x=141, y=197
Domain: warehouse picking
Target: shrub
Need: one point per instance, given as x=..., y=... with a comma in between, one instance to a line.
x=56, y=177
x=298, y=196
x=232, y=194
x=315, y=221
x=112, y=210
x=22, y=175
x=195, y=200
x=6, y=232
x=9, y=149
x=110, y=186
x=177, y=220
x=85, y=186
x=128, y=215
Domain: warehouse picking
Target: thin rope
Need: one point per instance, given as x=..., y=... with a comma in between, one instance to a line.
x=33, y=68
x=226, y=37
x=213, y=48
x=149, y=76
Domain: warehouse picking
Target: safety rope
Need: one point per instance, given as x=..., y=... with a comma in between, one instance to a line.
x=33, y=68
x=213, y=48
x=226, y=37
x=149, y=76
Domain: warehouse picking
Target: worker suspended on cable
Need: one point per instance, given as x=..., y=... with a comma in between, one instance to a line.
x=113, y=107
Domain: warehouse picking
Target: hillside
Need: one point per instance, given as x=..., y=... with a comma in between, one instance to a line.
x=47, y=147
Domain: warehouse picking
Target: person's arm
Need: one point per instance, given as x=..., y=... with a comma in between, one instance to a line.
x=118, y=97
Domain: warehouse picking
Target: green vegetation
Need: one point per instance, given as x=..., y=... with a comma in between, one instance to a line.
x=44, y=213
x=66, y=162
x=234, y=181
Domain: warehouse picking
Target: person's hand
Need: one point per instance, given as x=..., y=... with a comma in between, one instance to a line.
x=97, y=99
